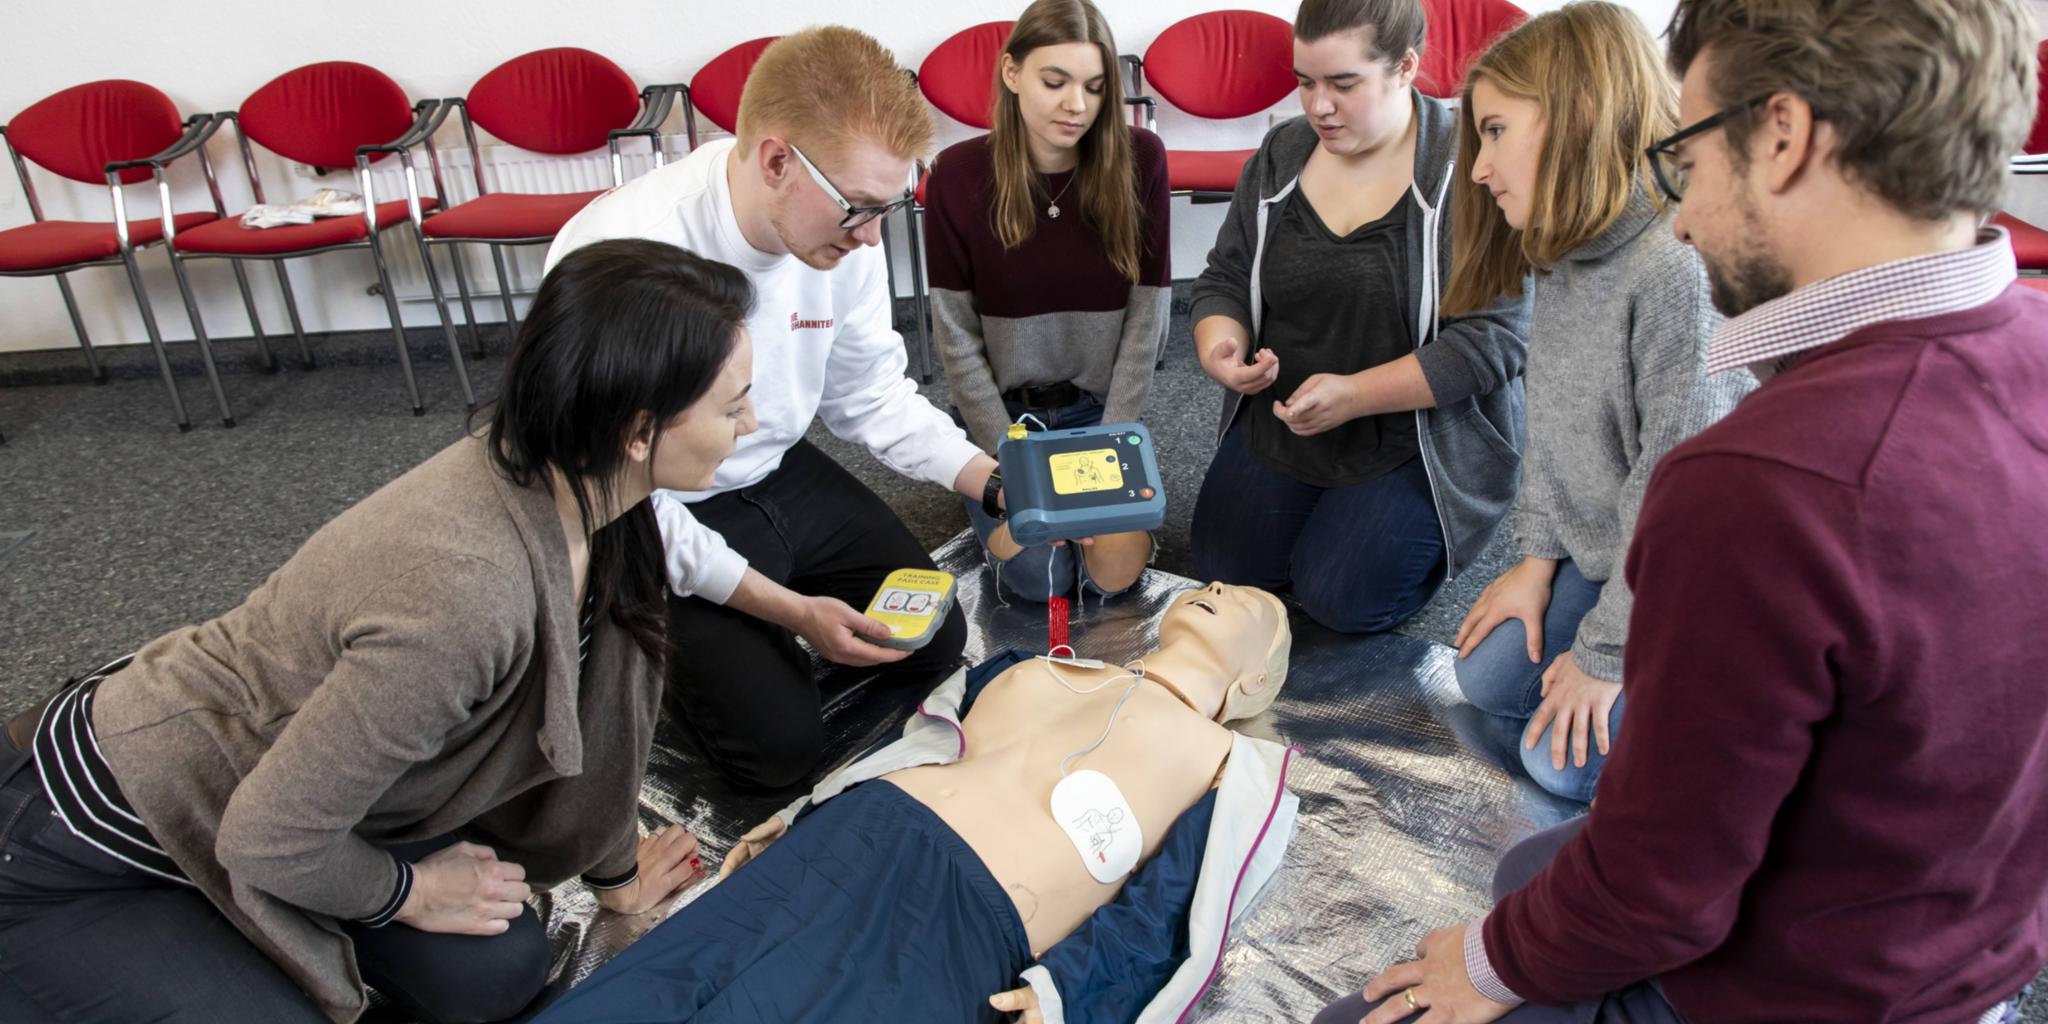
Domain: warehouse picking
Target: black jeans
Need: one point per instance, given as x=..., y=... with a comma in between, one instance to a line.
x=741, y=687
x=85, y=938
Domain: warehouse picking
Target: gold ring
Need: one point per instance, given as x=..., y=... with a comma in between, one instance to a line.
x=1409, y=995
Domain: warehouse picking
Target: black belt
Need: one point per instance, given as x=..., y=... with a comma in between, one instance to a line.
x=1043, y=396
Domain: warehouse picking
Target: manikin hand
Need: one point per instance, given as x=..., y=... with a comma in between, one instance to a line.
x=1575, y=701
x=843, y=635
x=464, y=889
x=751, y=844
x=668, y=864
x=1522, y=592
x=1226, y=366
x=1021, y=1001
x=1437, y=984
x=1323, y=401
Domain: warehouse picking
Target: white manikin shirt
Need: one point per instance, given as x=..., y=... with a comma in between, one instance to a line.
x=824, y=347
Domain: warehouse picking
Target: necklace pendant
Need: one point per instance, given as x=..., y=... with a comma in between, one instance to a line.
x=1053, y=211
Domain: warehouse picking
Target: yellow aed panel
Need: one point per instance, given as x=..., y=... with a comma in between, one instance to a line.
x=912, y=603
x=1086, y=472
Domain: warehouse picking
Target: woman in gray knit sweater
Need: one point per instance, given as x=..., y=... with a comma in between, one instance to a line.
x=1553, y=176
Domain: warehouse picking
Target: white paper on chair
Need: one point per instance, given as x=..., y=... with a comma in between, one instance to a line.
x=328, y=202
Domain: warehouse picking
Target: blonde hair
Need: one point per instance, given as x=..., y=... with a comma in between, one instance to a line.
x=1927, y=98
x=828, y=87
x=1595, y=73
x=1105, y=178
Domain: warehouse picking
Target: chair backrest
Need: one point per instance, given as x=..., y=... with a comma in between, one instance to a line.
x=1222, y=64
x=2037, y=140
x=959, y=77
x=79, y=131
x=320, y=113
x=561, y=100
x=717, y=86
x=1459, y=31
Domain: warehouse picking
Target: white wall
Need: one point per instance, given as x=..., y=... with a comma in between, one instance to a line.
x=435, y=49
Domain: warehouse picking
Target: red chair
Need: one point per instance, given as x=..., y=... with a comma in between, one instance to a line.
x=1221, y=65
x=115, y=133
x=2029, y=243
x=1459, y=31
x=331, y=115
x=716, y=87
x=558, y=101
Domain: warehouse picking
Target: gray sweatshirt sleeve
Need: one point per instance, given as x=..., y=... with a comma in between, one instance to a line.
x=1674, y=399
x=1480, y=352
x=956, y=326
x=1137, y=353
x=1225, y=286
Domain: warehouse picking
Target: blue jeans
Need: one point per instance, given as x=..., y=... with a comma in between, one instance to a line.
x=1506, y=687
x=1037, y=573
x=1640, y=1003
x=1359, y=558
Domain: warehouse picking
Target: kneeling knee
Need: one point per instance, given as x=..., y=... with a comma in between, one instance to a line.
x=501, y=977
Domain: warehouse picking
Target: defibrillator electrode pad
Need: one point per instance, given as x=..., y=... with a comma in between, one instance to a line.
x=913, y=603
x=1082, y=482
x=1100, y=823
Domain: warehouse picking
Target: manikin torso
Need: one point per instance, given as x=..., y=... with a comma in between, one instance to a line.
x=1162, y=754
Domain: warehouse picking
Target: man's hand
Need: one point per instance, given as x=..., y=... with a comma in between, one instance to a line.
x=1435, y=983
x=1576, y=702
x=842, y=635
x=1022, y=1001
x=1224, y=363
x=464, y=890
x=1323, y=401
x=668, y=864
x=1522, y=592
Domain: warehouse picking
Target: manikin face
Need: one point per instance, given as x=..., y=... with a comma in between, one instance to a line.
x=690, y=448
x=1233, y=628
x=1511, y=133
x=1355, y=102
x=806, y=218
x=1718, y=213
x=1059, y=91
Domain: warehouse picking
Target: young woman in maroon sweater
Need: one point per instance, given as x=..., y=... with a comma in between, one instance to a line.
x=1047, y=248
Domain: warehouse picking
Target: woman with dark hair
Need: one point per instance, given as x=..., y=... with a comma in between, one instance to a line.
x=1370, y=439
x=443, y=700
x=1047, y=242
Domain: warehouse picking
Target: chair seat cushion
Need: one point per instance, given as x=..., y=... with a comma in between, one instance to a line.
x=508, y=215
x=53, y=244
x=1196, y=170
x=229, y=238
x=2029, y=243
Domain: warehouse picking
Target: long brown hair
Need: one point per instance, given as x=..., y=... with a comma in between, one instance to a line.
x=1105, y=178
x=1594, y=71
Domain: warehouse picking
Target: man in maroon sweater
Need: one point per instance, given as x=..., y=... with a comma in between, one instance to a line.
x=1831, y=800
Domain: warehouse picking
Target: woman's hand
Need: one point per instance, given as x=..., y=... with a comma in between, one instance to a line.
x=668, y=864
x=1225, y=365
x=1576, y=702
x=1522, y=592
x=464, y=890
x=1323, y=401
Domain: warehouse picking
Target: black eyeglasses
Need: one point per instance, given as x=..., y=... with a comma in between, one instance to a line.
x=857, y=215
x=1664, y=163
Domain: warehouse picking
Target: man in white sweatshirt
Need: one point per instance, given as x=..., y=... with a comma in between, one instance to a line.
x=786, y=543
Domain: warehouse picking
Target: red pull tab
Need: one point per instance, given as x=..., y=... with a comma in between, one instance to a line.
x=1056, y=624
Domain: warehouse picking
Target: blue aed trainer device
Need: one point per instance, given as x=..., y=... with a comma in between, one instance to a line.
x=1081, y=482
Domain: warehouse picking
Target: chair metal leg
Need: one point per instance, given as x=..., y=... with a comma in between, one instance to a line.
x=220, y=395
x=447, y=329
x=156, y=341
x=291, y=308
x=412, y=385
x=505, y=297
x=918, y=300
x=476, y=334
x=255, y=323
x=92, y=359
x=889, y=268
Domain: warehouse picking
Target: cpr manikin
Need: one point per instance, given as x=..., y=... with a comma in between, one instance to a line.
x=1152, y=781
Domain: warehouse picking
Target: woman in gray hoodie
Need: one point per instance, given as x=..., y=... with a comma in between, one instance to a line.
x=1369, y=445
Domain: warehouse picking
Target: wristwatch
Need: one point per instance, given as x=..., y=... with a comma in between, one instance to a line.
x=989, y=491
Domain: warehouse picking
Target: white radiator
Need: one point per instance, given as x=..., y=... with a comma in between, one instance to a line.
x=506, y=169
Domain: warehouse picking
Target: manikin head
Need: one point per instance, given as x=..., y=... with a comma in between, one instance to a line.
x=826, y=110
x=1224, y=650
